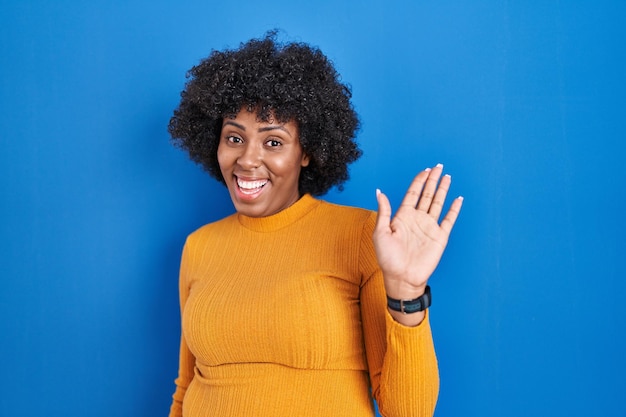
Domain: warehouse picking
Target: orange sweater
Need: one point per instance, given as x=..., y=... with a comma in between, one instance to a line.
x=286, y=316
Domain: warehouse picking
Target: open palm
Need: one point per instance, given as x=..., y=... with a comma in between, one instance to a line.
x=409, y=246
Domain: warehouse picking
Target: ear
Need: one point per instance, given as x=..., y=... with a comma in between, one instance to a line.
x=305, y=160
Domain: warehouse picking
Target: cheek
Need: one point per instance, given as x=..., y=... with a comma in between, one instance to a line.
x=287, y=167
x=222, y=157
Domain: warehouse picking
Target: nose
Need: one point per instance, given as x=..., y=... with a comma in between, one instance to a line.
x=250, y=156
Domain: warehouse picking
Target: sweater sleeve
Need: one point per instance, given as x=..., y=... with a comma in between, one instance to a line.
x=401, y=360
x=187, y=360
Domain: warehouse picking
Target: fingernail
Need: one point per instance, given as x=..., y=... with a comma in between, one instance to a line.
x=377, y=192
x=427, y=170
x=439, y=165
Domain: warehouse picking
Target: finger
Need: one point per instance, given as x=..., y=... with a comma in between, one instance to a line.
x=436, y=206
x=429, y=188
x=453, y=213
x=412, y=195
x=384, y=212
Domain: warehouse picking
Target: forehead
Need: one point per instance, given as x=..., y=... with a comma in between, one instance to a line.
x=252, y=118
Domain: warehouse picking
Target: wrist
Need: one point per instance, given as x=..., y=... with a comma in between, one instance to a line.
x=402, y=290
x=410, y=306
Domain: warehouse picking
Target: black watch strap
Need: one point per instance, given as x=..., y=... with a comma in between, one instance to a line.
x=411, y=306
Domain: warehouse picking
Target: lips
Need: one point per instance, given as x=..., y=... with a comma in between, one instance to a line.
x=250, y=187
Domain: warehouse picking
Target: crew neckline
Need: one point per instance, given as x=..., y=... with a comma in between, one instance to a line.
x=283, y=218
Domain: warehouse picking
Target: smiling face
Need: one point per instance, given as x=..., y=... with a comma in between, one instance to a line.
x=260, y=163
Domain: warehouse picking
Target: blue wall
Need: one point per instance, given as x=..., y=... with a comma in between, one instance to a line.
x=525, y=103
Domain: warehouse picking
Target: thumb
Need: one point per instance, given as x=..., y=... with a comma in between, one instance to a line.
x=383, y=219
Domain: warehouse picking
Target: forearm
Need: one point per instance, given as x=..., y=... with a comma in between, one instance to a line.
x=408, y=320
x=402, y=362
x=409, y=381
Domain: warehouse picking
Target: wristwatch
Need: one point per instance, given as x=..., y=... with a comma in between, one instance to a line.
x=411, y=306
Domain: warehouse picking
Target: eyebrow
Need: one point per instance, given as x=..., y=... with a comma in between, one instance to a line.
x=263, y=129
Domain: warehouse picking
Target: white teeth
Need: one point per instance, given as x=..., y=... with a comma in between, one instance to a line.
x=250, y=185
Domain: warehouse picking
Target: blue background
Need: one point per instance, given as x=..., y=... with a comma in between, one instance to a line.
x=524, y=102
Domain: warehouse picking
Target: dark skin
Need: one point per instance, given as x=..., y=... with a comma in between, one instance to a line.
x=261, y=163
x=410, y=245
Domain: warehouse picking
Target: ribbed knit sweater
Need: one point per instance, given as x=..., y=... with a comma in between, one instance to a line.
x=286, y=316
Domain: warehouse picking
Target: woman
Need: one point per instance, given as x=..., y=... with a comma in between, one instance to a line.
x=294, y=306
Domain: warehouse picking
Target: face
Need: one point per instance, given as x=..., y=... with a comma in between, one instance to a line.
x=261, y=163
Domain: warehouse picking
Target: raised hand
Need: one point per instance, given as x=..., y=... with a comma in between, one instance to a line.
x=409, y=246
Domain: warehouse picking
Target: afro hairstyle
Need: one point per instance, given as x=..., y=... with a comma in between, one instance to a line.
x=283, y=81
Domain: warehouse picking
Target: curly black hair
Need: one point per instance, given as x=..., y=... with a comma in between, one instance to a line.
x=290, y=81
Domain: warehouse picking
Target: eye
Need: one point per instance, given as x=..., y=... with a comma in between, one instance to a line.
x=234, y=139
x=272, y=143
